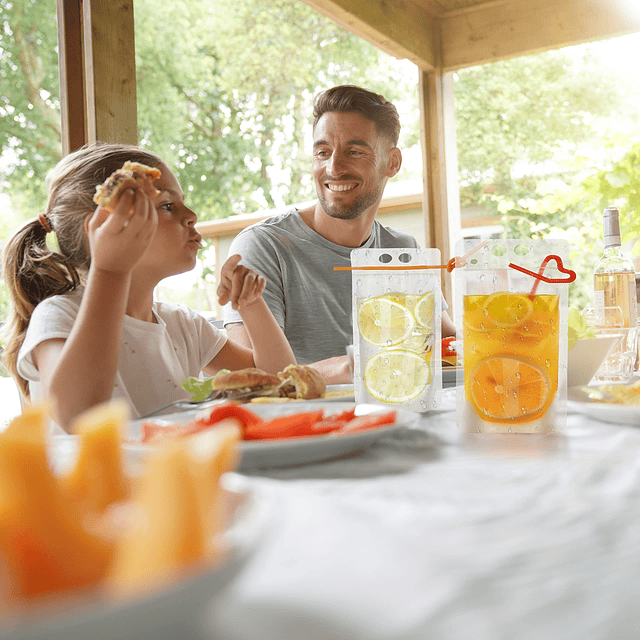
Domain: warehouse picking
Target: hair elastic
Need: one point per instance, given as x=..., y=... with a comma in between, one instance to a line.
x=44, y=221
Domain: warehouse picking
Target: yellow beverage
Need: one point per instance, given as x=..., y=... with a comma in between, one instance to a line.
x=397, y=343
x=511, y=348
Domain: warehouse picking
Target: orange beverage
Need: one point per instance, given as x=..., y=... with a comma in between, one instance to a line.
x=510, y=351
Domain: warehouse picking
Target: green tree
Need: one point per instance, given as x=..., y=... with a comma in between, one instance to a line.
x=237, y=80
x=521, y=121
x=29, y=102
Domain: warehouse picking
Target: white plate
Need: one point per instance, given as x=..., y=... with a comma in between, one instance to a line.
x=605, y=411
x=288, y=451
x=176, y=611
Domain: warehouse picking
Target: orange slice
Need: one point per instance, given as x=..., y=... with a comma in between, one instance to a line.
x=505, y=389
x=507, y=309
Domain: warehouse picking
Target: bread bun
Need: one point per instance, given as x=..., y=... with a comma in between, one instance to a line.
x=244, y=378
x=302, y=382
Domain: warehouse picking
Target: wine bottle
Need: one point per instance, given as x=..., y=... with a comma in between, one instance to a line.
x=614, y=279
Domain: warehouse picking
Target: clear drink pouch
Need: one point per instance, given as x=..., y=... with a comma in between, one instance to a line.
x=514, y=335
x=397, y=311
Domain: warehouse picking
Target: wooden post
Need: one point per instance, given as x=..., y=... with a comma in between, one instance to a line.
x=441, y=204
x=70, y=56
x=110, y=71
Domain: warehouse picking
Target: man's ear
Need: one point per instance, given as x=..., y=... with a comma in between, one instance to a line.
x=394, y=163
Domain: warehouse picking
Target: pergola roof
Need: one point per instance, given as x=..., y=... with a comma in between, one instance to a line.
x=451, y=34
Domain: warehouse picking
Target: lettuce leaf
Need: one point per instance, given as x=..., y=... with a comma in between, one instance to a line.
x=577, y=327
x=198, y=388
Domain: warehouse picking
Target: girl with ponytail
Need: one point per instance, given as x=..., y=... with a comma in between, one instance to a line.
x=84, y=326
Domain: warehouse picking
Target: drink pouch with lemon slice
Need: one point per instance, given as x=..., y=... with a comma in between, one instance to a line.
x=514, y=336
x=396, y=324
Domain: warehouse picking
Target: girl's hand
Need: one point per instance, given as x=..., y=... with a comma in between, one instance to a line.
x=238, y=284
x=118, y=239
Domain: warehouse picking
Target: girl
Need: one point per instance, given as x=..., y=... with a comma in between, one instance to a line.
x=84, y=326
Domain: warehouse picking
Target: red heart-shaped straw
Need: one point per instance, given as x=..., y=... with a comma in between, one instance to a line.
x=538, y=276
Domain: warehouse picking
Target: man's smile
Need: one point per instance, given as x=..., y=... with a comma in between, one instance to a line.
x=340, y=186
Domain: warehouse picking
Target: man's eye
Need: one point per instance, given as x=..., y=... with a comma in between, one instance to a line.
x=167, y=206
x=322, y=154
x=355, y=152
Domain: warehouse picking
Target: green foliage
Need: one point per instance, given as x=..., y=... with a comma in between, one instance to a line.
x=29, y=102
x=240, y=114
x=618, y=184
x=524, y=120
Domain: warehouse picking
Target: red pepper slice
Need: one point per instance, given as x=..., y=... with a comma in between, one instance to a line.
x=362, y=423
x=297, y=424
x=244, y=417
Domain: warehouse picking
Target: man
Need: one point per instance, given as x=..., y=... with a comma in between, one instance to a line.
x=355, y=136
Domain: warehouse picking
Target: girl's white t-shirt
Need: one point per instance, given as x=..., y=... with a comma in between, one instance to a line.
x=154, y=358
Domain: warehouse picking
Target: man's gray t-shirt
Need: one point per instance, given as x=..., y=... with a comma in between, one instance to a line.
x=306, y=296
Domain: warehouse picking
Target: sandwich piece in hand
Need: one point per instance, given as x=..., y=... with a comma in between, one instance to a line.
x=302, y=382
x=132, y=175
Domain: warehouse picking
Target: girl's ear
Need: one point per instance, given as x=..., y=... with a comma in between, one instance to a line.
x=394, y=163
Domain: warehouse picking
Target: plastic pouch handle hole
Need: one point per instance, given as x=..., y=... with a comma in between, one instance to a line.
x=385, y=258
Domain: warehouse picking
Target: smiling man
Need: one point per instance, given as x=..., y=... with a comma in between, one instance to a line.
x=355, y=137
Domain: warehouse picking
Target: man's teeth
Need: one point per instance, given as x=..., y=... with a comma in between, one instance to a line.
x=341, y=187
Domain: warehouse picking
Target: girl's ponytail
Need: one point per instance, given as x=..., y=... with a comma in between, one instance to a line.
x=32, y=272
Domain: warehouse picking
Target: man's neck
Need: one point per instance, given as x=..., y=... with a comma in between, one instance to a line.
x=347, y=233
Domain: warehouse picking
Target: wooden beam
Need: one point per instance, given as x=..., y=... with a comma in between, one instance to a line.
x=401, y=28
x=441, y=205
x=72, y=100
x=506, y=29
x=110, y=71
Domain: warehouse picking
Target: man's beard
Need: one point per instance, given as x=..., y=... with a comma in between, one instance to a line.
x=350, y=211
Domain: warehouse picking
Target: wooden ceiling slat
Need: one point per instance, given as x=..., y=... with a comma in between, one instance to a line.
x=401, y=28
x=521, y=27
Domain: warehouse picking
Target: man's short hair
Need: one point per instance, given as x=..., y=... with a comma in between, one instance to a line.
x=349, y=98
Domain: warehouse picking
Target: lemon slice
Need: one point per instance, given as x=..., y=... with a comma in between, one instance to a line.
x=505, y=389
x=396, y=376
x=424, y=310
x=507, y=309
x=383, y=322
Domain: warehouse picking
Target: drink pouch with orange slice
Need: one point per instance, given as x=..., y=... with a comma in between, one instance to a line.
x=397, y=311
x=514, y=336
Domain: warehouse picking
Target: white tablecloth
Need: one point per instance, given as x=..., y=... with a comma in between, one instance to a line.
x=433, y=534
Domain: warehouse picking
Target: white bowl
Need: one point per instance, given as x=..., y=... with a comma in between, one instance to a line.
x=585, y=358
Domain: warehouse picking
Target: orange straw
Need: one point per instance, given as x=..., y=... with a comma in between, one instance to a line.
x=538, y=276
x=450, y=266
